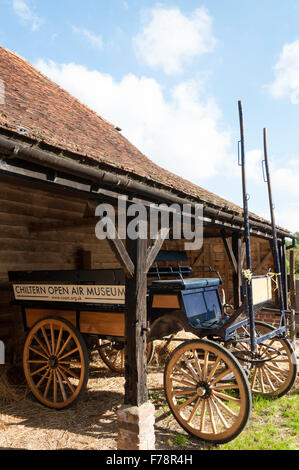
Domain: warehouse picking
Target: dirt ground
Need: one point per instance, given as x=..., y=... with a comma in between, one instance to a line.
x=90, y=423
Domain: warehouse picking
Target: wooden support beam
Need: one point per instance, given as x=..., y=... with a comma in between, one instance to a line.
x=154, y=249
x=230, y=253
x=135, y=326
x=122, y=255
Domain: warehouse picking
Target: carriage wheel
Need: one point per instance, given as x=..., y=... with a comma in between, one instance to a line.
x=55, y=361
x=113, y=354
x=207, y=391
x=276, y=376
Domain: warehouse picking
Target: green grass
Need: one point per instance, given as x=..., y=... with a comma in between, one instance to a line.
x=273, y=425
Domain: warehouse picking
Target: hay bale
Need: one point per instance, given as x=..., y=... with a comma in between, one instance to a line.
x=164, y=348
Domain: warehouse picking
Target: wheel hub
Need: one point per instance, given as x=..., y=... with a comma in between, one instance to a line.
x=203, y=390
x=53, y=362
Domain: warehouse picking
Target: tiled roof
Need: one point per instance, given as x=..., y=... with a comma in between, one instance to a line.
x=52, y=116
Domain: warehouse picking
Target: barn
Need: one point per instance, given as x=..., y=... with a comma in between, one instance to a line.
x=58, y=161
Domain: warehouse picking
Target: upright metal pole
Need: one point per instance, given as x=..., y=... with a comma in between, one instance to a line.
x=274, y=230
x=247, y=236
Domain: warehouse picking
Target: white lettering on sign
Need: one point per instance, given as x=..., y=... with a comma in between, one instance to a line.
x=70, y=293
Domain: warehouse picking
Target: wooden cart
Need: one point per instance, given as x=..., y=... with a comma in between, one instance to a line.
x=208, y=382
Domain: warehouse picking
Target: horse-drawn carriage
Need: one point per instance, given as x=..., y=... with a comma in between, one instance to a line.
x=208, y=382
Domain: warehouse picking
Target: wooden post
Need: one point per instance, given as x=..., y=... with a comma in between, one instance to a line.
x=136, y=417
x=135, y=325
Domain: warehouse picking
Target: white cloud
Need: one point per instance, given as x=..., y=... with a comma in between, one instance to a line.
x=26, y=15
x=286, y=83
x=93, y=39
x=180, y=133
x=288, y=216
x=171, y=40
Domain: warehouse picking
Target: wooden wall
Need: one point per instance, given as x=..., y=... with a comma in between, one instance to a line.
x=213, y=254
x=20, y=249
x=22, y=204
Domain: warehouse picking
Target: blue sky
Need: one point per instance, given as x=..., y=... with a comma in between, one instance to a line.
x=170, y=75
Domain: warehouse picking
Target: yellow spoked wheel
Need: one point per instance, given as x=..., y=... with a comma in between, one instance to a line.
x=207, y=391
x=275, y=371
x=113, y=354
x=55, y=361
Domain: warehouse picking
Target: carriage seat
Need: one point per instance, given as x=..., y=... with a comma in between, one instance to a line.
x=190, y=283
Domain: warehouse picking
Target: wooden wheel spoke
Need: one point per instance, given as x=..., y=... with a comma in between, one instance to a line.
x=37, y=362
x=43, y=378
x=188, y=376
x=273, y=374
x=187, y=402
x=219, y=414
x=197, y=364
x=36, y=338
x=52, y=338
x=265, y=347
x=225, y=387
x=226, y=397
x=69, y=371
x=220, y=377
x=61, y=385
x=271, y=366
x=58, y=341
x=116, y=357
x=254, y=378
x=224, y=406
x=211, y=414
x=66, y=380
x=68, y=354
x=36, y=351
x=193, y=412
x=269, y=380
x=48, y=384
x=214, y=368
x=262, y=380
x=183, y=382
x=202, y=416
x=46, y=339
x=205, y=365
x=38, y=370
x=54, y=386
x=181, y=393
x=64, y=345
x=190, y=367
